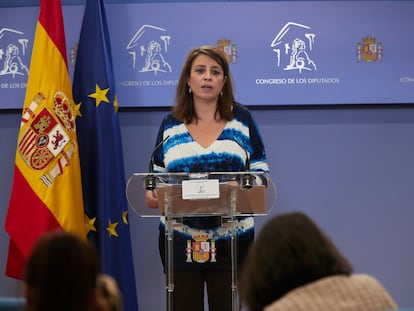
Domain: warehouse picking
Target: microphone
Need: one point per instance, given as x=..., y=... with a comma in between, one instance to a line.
x=247, y=180
x=150, y=180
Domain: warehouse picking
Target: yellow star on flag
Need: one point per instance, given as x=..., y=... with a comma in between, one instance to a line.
x=116, y=104
x=111, y=228
x=100, y=95
x=124, y=217
x=89, y=224
x=77, y=110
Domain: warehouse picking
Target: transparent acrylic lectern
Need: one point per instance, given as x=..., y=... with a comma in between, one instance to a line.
x=224, y=194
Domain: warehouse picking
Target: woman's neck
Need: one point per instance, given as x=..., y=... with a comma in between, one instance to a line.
x=206, y=111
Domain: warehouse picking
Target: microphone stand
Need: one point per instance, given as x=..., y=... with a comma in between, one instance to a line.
x=150, y=182
x=246, y=180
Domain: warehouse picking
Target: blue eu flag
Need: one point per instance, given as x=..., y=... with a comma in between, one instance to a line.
x=100, y=147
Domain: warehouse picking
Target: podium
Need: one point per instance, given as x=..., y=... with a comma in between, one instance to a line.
x=224, y=194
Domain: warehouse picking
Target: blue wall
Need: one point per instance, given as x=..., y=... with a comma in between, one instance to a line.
x=349, y=168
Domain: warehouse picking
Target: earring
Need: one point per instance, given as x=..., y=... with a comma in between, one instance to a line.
x=221, y=93
x=189, y=90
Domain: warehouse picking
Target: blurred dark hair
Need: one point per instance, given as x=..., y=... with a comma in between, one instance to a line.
x=290, y=251
x=61, y=274
x=184, y=105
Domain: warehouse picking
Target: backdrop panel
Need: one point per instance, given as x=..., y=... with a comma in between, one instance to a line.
x=280, y=53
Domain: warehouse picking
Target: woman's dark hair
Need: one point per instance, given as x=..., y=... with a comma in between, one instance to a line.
x=61, y=274
x=290, y=251
x=184, y=106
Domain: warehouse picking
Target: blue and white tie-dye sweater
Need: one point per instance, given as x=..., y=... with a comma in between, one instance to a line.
x=181, y=153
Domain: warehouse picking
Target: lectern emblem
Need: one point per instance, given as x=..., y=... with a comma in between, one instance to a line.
x=201, y=250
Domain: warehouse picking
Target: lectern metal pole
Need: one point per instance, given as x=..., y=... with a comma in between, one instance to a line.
x=233, y=246
x=169, y=251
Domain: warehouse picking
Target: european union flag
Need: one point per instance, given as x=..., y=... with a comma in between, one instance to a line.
x=100, y=146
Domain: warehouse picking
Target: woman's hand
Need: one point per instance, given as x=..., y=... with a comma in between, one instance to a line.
x=151, y=199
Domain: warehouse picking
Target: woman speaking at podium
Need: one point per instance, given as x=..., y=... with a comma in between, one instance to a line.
x=207, y=131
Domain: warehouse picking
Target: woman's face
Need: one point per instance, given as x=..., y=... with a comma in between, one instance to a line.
x=206, y=78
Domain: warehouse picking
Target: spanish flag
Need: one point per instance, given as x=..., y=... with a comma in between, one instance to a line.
x=47, y=190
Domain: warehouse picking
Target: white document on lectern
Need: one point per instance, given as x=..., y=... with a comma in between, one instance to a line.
x=198, y=189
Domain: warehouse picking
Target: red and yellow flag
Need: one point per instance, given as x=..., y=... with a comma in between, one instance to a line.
x=46, y=191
